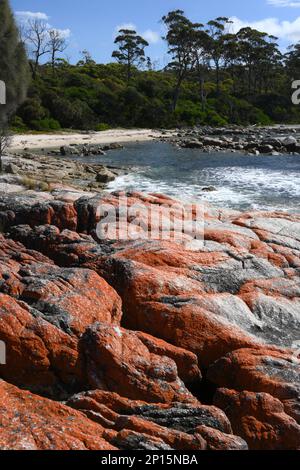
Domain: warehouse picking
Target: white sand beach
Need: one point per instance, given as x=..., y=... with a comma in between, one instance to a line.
x=38, y=141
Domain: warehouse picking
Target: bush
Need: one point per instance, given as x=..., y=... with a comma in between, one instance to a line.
x=18, y=125
x=214, y=119
x=189, y=113
x=47, y=124
x=102, y=127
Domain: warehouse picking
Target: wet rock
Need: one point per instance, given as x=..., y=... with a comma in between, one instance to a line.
x=255, y=140
x=290, y=143
x=105, y=176
x=209, y=189
x=265, y=148
x=193, y=144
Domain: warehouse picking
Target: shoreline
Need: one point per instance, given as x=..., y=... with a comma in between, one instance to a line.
x=268, y=140
x=39, y=141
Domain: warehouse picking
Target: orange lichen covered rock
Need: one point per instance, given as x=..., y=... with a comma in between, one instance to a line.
x=276, y=372
x=71, y=298
x=180, y=426
x=29, y=422
x=139, y=322
x=117, y=360
x=39, y=356
x=186, y=361
x=260, y=419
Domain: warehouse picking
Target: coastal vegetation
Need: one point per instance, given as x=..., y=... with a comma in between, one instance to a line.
x=14, y=72
x=213, y=77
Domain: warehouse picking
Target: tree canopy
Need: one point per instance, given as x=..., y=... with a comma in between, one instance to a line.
x=213, y=76
x=131, y=49
x=13, y=63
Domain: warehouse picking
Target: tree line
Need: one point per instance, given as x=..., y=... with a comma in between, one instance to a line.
x=213, y=76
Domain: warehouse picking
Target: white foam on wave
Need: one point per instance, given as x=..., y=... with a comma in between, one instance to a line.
x=237, y=188
x=179, y=191
x=258, y=179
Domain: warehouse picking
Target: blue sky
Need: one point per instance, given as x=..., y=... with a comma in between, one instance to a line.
x=92, y=24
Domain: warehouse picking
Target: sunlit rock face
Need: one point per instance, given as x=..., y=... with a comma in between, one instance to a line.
x=161, y=342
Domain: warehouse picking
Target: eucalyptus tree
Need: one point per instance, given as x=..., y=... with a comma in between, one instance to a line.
x=201, y=63
x=14, y=74
x=57, y=43
x=259, y=55
x=292, y=61
x=218, y=30
x=181, y=37
x=36, y=36
x=131, y=50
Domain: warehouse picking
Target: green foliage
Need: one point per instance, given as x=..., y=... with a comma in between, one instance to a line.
x=14, y=70
x=131, y=50
x=213, y=78
x=18, y=125
x=102, y=127
x=47, y=124
x=73, y=99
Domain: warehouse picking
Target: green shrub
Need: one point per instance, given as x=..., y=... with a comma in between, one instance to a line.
x=102, y=127
x=214, y=119
x=17, y=124
x=47, y=124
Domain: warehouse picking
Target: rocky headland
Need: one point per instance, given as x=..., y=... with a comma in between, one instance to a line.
x=147, y=344
x=252, y=140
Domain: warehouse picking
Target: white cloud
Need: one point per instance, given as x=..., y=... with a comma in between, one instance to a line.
x=65, y=33
x=284, y=3
x=25, y=16
x=130, y=26
x=31, y=15
x=288, y=30
x=152, y=37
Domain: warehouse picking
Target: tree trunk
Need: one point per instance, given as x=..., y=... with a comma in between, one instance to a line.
x=202, y=94
x=218, y=76
x=128, y=71
x=35, y=67
x=53, y=61
x=176, y=94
